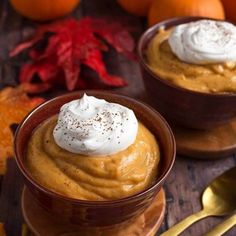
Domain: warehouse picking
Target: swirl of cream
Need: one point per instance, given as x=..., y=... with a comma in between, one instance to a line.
x=204, y=42
x=92, y=126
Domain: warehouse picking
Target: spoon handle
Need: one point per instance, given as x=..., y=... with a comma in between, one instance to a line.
x=182, y=225
x=223, y=227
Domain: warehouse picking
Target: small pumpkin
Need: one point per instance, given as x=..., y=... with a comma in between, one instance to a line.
x=164, y=9
x=230, y=8
x=136, y=7
x=42, y=10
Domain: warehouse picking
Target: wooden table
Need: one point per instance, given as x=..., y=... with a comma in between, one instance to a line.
x=188, y=178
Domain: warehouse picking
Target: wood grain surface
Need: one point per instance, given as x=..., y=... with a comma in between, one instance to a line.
x=188, y=178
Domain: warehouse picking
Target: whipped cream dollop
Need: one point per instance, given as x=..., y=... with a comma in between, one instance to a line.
x=92, y=126
x=204, y=42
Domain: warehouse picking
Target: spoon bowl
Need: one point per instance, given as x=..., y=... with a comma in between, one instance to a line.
x=218, y=199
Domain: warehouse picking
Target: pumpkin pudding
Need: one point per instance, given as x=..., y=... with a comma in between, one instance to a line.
x=93, y=150
x=199, y=56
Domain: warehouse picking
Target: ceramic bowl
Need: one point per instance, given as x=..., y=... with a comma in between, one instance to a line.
x=96, y=213
x=179, y=105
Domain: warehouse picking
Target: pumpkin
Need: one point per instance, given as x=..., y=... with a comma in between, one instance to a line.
x=136, y=7
x=42, y=10
x=164, y=9
x=230, y=8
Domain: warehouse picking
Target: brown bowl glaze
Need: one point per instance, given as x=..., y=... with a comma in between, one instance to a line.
x=96, y=213
x=185, y=107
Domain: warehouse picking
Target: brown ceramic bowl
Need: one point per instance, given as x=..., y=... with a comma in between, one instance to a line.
x=96, y=213
x=185, y=107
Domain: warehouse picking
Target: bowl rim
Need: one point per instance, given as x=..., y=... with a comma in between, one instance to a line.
x=59, y=196
x=154, y=28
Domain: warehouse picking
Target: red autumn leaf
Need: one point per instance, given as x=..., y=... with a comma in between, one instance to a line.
x=92, y=61
x=14, y=105
x=115, y=35
x=70, y=45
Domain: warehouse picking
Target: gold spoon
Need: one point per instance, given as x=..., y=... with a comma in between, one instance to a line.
x=223, y=227
x=218, y=199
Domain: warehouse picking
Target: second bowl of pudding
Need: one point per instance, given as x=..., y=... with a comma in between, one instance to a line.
x=186, y=78
x=98, y=163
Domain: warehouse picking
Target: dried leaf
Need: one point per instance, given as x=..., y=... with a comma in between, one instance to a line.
x=14, y=106
x=115, y=35
x=70, y=45
x=2, y=231
x=94, y=61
